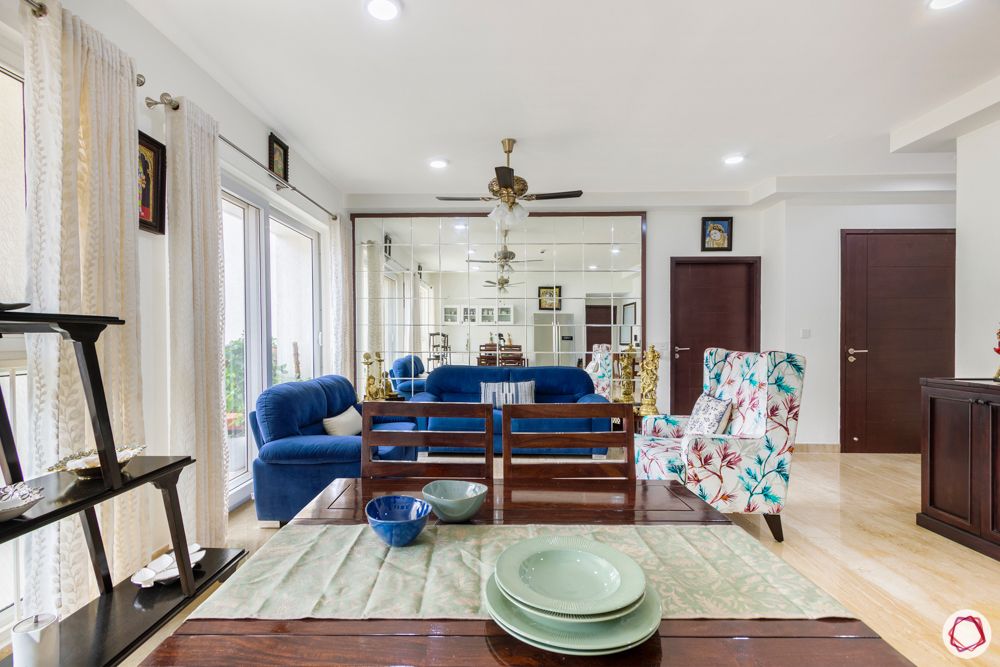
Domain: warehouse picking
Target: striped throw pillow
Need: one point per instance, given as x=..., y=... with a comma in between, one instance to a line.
x=507, y=393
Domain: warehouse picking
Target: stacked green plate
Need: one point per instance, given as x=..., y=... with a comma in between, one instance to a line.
x=572, y=595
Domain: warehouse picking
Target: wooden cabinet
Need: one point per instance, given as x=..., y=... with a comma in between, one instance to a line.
x=960, y=461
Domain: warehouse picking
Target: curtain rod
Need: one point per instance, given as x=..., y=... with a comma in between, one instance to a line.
x=167, y=100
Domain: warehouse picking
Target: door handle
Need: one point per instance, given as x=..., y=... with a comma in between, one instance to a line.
x=679, y=349
x=851, y=352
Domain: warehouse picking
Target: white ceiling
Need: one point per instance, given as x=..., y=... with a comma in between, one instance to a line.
x=607, y=96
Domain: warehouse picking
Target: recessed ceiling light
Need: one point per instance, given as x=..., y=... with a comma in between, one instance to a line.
x=592, y=267
x=438, y=163
x=942, y=4
x=474, y=267
x=459, y=227
x=734, y=159
x=615, y=250
x=384, y=10
x=472, y=251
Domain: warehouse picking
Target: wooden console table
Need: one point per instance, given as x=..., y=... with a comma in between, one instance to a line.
x=108, y=629
x=960, y=462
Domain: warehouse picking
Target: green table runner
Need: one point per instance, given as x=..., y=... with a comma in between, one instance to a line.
x=347, y=572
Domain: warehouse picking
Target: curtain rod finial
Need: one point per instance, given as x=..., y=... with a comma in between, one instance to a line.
x=140, y=81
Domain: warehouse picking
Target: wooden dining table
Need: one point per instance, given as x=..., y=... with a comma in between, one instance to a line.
x=466, y=643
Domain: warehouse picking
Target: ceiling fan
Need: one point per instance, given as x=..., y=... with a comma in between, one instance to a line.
x=509, y=188
x=504, y=258
x=501, y=283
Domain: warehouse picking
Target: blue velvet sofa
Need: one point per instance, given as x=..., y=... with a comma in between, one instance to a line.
x=296, y=458
x=405, y=376
x=553, y=384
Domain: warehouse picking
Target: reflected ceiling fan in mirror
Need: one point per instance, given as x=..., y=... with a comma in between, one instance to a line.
x=504, y=258
x=508, y=189
x=501, y=283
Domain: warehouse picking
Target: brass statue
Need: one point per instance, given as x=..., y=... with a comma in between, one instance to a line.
x=371, y=384
x=627, y=361
x=387, y=391
x=650, y=372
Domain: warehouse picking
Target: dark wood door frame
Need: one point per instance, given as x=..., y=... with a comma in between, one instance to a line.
x=845, y=446
x=752, y=262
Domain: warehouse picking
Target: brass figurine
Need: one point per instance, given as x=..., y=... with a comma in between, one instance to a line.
x=627, y=360
x=650, y=371
x=388, y=392
x=371, y=384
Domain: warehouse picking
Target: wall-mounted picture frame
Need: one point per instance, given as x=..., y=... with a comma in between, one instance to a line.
x=277, y=156
x=152, y=185
x=716, y=234
x=469, y=314
x=628, y=321
x=450, y=314
x=505, y=315
x=387, y=245
x=487, y=314
x=550, y=297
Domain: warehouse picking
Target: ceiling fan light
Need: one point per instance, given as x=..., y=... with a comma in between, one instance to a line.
x=383, y=10
x=519, y=213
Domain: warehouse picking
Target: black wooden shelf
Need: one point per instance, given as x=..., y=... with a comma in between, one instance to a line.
x=114, y=625
x=66, y=494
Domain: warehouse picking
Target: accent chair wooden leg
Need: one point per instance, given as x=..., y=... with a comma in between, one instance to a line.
x=774, y=523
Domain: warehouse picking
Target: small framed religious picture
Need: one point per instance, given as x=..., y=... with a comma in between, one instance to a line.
x=277, y=156
x=550, y=297
x=716, y=234
x=152, y=184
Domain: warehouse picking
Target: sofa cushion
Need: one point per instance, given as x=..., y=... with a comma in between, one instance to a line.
x=499, y=394
x=709, y=416
x=553, y=384
x=407, y=368
x=347, y=422
x=410, y=387
x=310, y=449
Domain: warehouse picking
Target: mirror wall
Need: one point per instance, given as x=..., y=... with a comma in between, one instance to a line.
x=466, y=290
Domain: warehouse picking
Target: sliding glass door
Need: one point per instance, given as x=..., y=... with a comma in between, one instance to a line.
x=272, y=319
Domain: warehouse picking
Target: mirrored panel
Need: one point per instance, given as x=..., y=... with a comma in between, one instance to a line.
x=465, y=290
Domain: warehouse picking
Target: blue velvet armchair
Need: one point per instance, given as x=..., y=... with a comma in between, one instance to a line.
x=405, y=376
x=553, y=384
x=296, y=458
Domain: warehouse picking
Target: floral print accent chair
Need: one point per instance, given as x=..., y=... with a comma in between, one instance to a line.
x=600, y=370
x=746, y=468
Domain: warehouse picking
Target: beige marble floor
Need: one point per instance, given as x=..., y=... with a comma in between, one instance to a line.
x=849, y=527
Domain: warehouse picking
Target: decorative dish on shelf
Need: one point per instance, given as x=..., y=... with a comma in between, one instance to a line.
x=87, y=464
x=17, y=499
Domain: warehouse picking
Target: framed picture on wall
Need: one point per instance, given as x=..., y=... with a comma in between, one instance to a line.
x=277, y=156
x=716, y=234
x=550, y=298
x=152, y=184
x=468, y=314
x=505, y=315
x=487, y=314
x=449, y=315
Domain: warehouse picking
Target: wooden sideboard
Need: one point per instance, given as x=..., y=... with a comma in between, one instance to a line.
x=960, y=462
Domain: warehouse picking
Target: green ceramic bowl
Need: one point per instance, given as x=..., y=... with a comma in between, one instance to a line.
x=454, y=501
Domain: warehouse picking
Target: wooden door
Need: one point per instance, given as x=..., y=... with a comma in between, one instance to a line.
x=600, y=331
x=713, y=303
x=898, y=317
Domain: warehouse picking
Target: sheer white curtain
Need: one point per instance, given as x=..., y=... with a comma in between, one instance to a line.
x=82, y=215
x=196, y=310
x=372, y=256
x=340, y=344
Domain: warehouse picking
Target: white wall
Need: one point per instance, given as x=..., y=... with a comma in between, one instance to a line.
x=676, y=233
x=977, y=268
x=812, y=294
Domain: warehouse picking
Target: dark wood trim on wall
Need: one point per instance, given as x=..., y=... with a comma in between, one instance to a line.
x=483, y=214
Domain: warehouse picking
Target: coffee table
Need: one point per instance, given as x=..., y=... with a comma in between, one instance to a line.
x=461, y=643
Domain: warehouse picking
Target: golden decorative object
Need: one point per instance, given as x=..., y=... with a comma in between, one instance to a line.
x=371, y=384
x=627, y=361
x=649, y=377
x=387, y=391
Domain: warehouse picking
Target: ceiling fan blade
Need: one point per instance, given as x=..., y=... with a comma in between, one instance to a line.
x=489, y=283
x=569, y=194
x=466, y=198
x=481, y=261
x=505, y=177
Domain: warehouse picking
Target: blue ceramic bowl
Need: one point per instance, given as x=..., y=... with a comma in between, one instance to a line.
x=454, y=500
x=397, y=519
